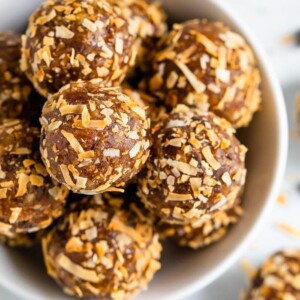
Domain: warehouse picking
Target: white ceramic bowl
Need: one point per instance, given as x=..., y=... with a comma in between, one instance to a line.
x=183, y=271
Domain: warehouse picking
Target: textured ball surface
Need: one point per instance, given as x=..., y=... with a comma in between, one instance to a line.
x=67, y=40
x=277, y=278
x=105, y=248
x=206, y=65
x=30, y=199
x=204, y=233
x=197, y=167
x=93, y=139
x=15, y=89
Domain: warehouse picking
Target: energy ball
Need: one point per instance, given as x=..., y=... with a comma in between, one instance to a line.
x=104, y=249
x=30, y=199
x=277, y=278
x=15, y=89
x=93, y=139
x=204, y=233
x=67, y=40
x=206, y=65
x=197, y=167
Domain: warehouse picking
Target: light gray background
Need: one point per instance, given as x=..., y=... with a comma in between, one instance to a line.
x=271, y=20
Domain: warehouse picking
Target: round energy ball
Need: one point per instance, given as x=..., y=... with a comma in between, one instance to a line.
x=206, y=65
x=70, y=40
x=204, y=233
x=277, y=278
x=30, y=199
x=197, y=167
x=15, y=89
x=93, y=140
x=105, y=248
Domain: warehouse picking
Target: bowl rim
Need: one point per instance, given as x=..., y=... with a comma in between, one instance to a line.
x=281, y=160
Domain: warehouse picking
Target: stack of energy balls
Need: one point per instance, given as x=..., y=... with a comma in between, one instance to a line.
x=130, y=107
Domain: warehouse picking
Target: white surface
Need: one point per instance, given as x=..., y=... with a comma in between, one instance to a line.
x=270, y=20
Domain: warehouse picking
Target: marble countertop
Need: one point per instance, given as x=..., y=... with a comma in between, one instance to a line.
x=272, y=21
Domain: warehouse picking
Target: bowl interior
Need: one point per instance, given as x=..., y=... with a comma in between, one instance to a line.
x=183, y=271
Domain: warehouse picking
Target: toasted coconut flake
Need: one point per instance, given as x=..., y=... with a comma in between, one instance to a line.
x=74, y=244
x=219, y=204
x=87, y=154
x=45, y=19
x=119, y=45
x=102, y=71
x=227, y=179
x=91, y=233
x=36, y=180
x=111, y=152
x=89, y=25
x=21, y=151
x=4, y=227
x=65, y=172
x=177, y=142
x=204, y=60
x=81, y=182
x=281, y=199
x=210, y=158
x=54, y=125
x=210, y=46
x=223, y=75
x=63, y=32
x=214, y=88
x=179, y=197
x=22, y=185
x=289, y=229
x=184, y=168
x=130, y=232
x=176, y=123
x=3, y=193
x=172, y=79
x=95, y=124
x=16, y=211
x=7, y=184
x=73, y=141
x=248, y=268
x=71, y=109
x=113, y=189
x=196, y=184
x=194, y=142
x=85, y=117
x=76, y=270
x=2, y=174
x=40, y=169
x=228, y=96
x=198, y=86
x=72, y=57
x=133, y=135
x=139, y=111
x=135, y=150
